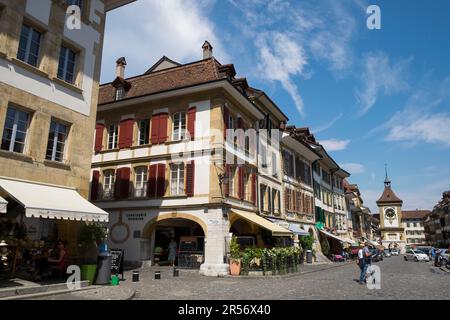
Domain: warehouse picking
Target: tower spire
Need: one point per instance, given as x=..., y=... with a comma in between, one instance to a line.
x=387, y=182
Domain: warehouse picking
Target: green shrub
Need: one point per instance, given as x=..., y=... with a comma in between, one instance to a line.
x=306, y=242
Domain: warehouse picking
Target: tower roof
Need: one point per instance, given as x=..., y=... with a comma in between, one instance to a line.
x=389, y=196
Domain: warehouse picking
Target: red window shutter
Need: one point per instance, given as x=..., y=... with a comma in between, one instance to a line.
x=190, y=178
x=241, y=192
x=240, y=123
x=163, y=121
x=155, y=129
x=226, y=116
x=161, y=180
x=226, y=183
x=126, y=133
x=99, y=128
x=117, y=186
x=94, y=185
x=254, y=188
x=151, y=189
x=125, y=183
x=191, y=115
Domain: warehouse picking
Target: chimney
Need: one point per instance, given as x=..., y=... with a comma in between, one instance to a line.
x=120, y=67
x=207, y=50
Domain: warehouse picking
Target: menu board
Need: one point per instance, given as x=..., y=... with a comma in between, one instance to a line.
x=117, y=261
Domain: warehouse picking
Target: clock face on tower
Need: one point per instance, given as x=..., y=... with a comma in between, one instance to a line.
x=389, y=214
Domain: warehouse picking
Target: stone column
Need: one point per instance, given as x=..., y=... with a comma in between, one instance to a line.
x=218, y=227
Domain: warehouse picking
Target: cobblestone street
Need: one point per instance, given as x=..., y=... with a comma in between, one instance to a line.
x=399, y=280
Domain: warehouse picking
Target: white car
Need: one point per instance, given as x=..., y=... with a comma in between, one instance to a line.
x=415, y=255
x=394, y=252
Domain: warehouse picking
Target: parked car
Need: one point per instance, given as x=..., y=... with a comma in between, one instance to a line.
x=387, y=253
x=395, y=252
x=416, y=255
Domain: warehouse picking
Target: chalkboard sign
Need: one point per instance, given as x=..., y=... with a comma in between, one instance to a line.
x=188, y=244
x=117, y=261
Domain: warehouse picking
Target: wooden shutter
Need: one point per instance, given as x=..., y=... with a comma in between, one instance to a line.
x=126, y=133
x=190, y=178
x=161, y=180
x=191, y=117
x=241, y=192
x=152, y=172
x=254, y=188
x=122, y=186
x=155, y=129
x=163, y=123
x=95, y=184
x=226, y=183
x=286, y=199
x=226, y=116
x=99, y=129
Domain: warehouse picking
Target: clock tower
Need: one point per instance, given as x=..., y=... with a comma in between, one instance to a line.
x=390, y=206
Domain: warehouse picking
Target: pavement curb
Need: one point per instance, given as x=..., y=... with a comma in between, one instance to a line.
x=48, y=293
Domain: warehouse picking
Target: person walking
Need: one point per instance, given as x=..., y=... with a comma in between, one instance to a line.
x=364, y=257
x=172, y=252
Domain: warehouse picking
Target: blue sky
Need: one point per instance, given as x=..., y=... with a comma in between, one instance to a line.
x=370, y=96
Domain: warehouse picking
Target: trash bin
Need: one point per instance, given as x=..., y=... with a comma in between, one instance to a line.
x=104, y=268
x=308, y=256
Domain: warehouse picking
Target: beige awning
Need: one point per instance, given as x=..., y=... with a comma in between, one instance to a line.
x=3, y=204
x=50, y=201
x=349, y=241
x=277, y=231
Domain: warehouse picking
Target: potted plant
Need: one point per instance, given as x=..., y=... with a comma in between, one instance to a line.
x=89, y=238
x=235, y=257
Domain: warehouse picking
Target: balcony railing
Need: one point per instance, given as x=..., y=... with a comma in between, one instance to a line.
x=140, y=193
x=108, y=194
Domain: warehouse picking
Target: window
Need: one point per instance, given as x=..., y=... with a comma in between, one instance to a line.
x=120, y=93
x=262, y=192
x=408, y=224
x=326, y=176
x=177, y=179
x=75, y=3
x=274, y=164
x=288, y=164
x=247, y=184
x=15, y=131
x=231, y=173
x=66, y=67
x=56, y=141
x=269, y=200
x=140, y=182
x=108, y=184
x=179, y=126
x=113, y=136
x=29, y=44
x=144, y=132
x=263, y=156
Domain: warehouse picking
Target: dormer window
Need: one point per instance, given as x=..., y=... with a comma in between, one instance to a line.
x=120, y=93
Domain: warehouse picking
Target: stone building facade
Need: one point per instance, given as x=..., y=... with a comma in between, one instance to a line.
x=49, y=80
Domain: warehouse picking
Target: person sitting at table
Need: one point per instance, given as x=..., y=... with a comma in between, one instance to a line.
x=58, y=262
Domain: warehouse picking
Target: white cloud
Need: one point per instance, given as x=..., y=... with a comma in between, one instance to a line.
x=146, y=30
x=329, y=124
x=280, y=59
x=419, y=120
x=380, y=77
x=432, y=128
x=334, y=145
x=313, y=34
x=354, y=168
